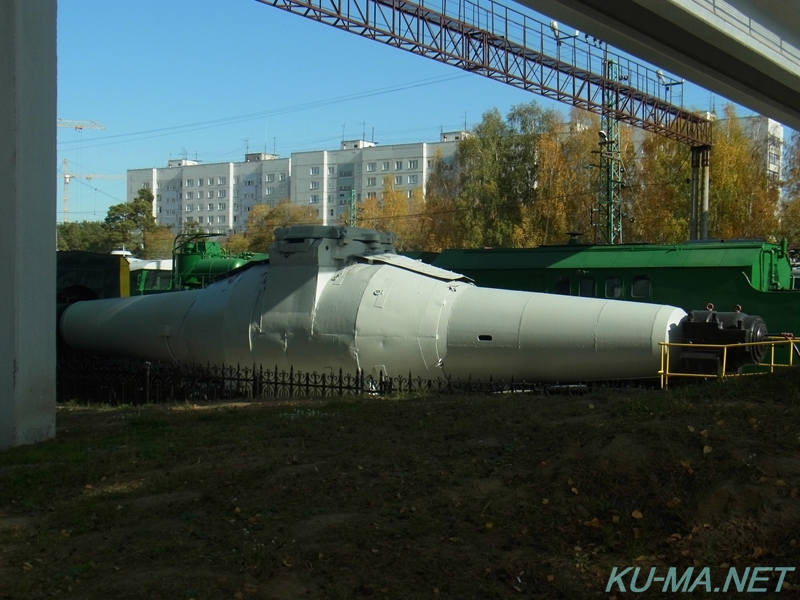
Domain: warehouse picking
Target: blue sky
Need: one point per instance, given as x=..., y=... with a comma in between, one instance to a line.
x=211, y=78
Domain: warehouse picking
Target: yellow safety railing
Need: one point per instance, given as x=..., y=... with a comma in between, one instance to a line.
x=767, y=365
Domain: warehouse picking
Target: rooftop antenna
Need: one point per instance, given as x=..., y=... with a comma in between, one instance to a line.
x=274, y=144
x=246, y=145
x=343, y=124
x=363, y=130
x=373, y=134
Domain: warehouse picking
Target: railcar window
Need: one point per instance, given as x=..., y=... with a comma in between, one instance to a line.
x=613, y=287
x=587, y=287
x=562, y=285
x=640, y=287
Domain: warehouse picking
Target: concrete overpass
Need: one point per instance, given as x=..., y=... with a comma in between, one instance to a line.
x=745, y=50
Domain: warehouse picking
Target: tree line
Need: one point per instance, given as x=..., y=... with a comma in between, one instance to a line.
x=127, y=226
x=528, y=179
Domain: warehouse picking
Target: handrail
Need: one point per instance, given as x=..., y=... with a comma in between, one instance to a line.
x=763, y=368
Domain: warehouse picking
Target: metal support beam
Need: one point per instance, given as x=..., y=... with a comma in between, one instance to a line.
x=497, y=42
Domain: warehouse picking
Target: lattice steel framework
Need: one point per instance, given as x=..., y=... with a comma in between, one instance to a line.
x=500, y=43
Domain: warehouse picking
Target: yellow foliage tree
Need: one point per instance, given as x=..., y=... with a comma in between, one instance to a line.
x=263, y=220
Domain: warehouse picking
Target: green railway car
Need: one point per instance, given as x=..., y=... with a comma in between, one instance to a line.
x=755, y=276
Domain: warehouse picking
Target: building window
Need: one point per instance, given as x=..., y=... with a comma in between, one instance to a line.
x=331, y=170
x=190, y=195
x=314, y=185
x=146, y=185
x=370, y=195
x=201, y=219
x=586, y=288
x=221, y=206
x=640, y=287
x=269, y=177
x=199, y=195
x=314, y=171
x=269, y=191
x=385, y=166
x=371, y=166
x=210, y=206
x=210, y=181
x=398, y=165
x=235, y=179
x=613, y=287
x=398, y=179
x=249, y=182
x=199, y=207
x=221, y=219
x=370, y=181
x=189, y=207
x=190, y=183
x=413, y=164
x=221, y=193
x=331, y=212
x=190, y=219
x=314, y=199
x=410, y=194
x=430, y=164
x=412, y=179
x=221, y=180
x=281, y=176
x=562, y=285
x=200, y=182
x=180, y=195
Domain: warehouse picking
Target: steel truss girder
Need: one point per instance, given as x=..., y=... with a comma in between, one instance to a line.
x=489, y=51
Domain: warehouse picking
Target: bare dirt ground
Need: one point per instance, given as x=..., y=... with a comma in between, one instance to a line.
x=503, y=496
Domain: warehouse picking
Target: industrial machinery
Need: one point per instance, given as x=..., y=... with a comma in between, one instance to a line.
x=196, y=261
x=340, y=298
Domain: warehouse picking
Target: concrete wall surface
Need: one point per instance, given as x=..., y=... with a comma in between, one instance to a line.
x=27, y=229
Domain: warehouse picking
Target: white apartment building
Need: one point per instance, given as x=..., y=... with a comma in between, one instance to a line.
x=219, y=196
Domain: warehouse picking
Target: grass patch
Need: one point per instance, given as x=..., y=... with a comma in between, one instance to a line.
x=460, y=497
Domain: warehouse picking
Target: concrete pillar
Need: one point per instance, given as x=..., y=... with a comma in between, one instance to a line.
x=696, y=152
x=705, y=165
x=27, y=220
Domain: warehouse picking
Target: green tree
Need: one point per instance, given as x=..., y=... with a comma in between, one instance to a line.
x=127, y=222
x=89, y=236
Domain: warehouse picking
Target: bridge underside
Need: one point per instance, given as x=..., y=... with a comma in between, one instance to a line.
x=746, y=53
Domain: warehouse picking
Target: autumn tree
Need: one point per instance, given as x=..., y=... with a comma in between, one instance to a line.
x=437, y=225
x=263, y=220
x=744, y=200
x=789, y=212
x=657, y=196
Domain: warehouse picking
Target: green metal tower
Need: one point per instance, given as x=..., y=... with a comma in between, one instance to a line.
x=351, y=218
x=608, y=218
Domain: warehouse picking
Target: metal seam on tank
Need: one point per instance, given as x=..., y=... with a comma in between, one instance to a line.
x=595, y=336
x=519, y=324
x=180, y=328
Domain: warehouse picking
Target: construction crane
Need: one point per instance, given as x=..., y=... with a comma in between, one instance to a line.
x=88, y=176
x=79, y=125
x=506, y=45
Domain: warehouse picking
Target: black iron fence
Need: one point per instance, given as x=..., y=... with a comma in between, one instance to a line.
x=119, y=381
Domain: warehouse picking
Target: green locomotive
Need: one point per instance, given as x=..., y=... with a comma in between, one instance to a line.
x=753, y=276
